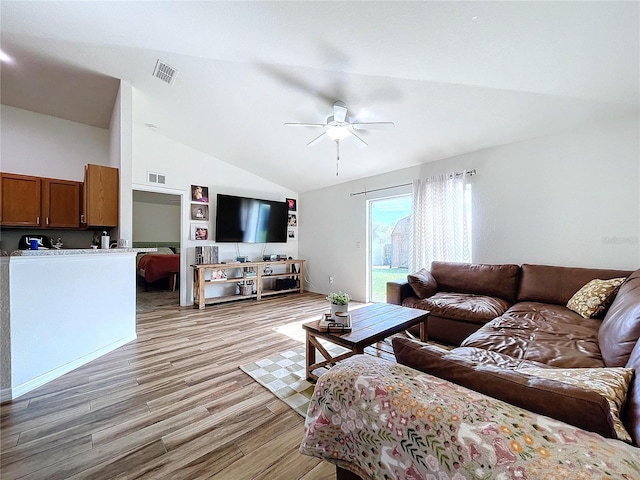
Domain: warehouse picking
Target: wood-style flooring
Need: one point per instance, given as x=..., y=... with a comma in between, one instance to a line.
x=172, y=404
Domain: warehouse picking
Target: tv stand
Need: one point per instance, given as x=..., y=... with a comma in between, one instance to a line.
x=241, y=274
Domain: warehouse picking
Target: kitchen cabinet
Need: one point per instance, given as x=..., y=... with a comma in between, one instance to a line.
x=20, y=196
x=60, y=203
x=100, y=196
x=29, y=201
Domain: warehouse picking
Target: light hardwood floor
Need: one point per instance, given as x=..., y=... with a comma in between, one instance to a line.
x=172, y=404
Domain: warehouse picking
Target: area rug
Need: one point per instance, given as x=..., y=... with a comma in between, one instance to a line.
x=284, y=375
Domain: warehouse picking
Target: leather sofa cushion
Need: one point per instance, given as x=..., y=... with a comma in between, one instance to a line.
x=545, y=333
x=550, y=284
x=460, y=306
x=620, y=328
x=480, y=279
x=568, y=403
x=423, y=283
x=631, y=410
x=489, y=357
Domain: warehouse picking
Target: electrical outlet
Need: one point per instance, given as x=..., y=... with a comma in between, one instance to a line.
x=330, y=279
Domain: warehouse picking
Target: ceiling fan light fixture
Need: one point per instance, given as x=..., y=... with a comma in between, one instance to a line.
x=338, y=133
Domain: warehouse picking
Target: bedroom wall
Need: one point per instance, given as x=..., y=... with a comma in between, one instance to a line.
x=567, y=199
x=156, y=223
x=183, y=167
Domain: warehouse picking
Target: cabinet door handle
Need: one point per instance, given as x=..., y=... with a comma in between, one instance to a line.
x=47, y=220
x=82, y=218
x=37, y=220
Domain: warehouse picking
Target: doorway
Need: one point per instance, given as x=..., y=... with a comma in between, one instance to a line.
x=388, y=259
x=156, y=219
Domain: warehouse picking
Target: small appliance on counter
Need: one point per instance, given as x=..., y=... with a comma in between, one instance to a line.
x=43, y=242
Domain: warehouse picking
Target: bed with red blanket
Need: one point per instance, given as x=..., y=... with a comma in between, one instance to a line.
x=159, y=265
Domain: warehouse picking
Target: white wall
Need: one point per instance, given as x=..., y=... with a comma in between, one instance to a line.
x=121, y=156
x=183, y=167
x=156, y=223
x=45, y=146
x=568, y=199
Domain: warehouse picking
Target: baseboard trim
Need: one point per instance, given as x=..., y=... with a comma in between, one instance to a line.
x=40, y=380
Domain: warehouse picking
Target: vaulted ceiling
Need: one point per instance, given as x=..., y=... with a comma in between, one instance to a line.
x=454, y=77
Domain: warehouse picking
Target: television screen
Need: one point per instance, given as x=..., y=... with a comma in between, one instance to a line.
x=250, y=220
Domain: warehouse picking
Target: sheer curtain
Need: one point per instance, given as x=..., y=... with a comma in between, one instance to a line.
x=439, y=228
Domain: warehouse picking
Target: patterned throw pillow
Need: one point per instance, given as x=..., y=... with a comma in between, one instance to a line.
x=593, y=300
x=611, y=383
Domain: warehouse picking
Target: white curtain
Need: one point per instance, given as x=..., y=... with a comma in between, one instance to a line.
x=439, y=229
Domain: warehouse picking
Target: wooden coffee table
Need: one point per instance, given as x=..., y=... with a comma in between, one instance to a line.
x=369, y=324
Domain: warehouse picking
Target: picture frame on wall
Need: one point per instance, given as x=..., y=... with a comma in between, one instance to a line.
x=199, y=231
x=292, y=204
x=292, y=234
x=293, y=220
x=199, y=211
x=199, y=194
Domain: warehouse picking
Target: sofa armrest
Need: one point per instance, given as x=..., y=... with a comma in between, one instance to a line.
x=380, y=419
x=583, y=408
x=398, y=291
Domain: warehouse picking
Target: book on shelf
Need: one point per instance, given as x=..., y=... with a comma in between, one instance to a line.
x=206, y=255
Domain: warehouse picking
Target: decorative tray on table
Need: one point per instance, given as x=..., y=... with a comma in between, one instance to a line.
x=340, y=324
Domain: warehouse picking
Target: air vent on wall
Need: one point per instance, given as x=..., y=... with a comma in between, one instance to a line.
x=165, y=72
x=158, y=178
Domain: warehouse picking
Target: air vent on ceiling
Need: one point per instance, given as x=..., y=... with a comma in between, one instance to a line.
x=158, y=178
x=165, y=72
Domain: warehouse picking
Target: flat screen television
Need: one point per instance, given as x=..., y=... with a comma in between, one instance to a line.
x=250, y=220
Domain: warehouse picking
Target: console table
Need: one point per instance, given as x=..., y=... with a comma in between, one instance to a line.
x=250, y=277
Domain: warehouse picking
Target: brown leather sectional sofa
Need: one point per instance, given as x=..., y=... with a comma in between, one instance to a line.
x=506, y=318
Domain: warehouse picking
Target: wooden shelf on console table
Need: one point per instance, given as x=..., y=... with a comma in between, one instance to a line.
x=200, y=280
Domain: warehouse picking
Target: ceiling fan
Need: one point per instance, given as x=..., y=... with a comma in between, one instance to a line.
x=338, y=127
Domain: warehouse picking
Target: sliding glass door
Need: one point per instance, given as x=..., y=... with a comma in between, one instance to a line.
x=388, y=245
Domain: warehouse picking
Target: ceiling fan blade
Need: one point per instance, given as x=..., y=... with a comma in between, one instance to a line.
x=373, y=125
x=317, y=139
x=361, y=143
x=339, y=111
x=304, y=125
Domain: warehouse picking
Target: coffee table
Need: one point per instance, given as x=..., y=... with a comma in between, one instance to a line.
x=369, y=324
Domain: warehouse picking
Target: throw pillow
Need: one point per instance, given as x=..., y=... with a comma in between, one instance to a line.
x=423, y=283
x=593, y=299
x=611, y=383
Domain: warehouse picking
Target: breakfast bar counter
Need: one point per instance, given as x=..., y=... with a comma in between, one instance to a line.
x=62, y=309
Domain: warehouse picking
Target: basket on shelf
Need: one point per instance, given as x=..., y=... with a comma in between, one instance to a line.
x=245, y=288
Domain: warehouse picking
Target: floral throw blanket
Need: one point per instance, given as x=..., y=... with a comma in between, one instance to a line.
x=383, y=420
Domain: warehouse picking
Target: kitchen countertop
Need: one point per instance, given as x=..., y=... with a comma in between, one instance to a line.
x=78, y=251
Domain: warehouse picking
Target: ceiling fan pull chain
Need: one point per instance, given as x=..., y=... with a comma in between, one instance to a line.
x=337, y=155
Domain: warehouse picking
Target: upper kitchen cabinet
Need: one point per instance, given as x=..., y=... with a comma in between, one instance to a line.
x=60, y=203
x=20, y=197
x=39, y=202
x=100, y=202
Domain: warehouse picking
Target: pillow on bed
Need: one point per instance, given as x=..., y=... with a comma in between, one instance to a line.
x=166, y=250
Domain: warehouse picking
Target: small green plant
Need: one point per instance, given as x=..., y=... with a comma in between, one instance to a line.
x=339, y=298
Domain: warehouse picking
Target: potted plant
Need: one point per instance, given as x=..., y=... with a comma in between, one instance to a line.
x=339, y=303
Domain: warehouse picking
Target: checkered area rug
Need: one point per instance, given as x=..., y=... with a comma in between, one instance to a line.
x=285, y=376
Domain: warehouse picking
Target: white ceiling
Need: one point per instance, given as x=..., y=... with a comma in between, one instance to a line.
x=454, y=76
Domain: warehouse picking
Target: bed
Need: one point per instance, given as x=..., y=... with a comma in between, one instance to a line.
x=159, y=265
